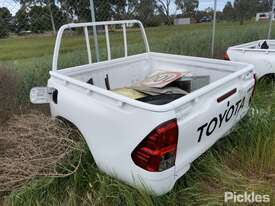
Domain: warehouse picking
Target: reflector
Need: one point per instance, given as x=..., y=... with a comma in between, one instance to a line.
x=41, y=95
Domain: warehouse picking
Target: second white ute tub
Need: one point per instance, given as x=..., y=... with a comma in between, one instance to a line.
x=259, y=53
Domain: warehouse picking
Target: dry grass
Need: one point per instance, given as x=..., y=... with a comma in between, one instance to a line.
x=33, y=145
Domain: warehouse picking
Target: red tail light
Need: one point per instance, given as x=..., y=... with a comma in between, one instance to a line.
x=157, y=152
x=226, y=57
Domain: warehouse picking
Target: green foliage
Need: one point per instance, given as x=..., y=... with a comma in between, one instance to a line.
x=245, y=9
x=228, y=11
x=5, y=17
x=119, y=9
x=43, y=15
x=104, y=9
x=38, y=21
x=22, y=20
x=146, y=12
x=164, y=7
x=78, y=8
x=5, y=14
x=59, y=16
x=264, y=5
x=38, y=18
x=79, y=11
x=4, y=30
x=187, y=7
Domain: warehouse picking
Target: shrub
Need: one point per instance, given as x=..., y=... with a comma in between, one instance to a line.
x=4, y=29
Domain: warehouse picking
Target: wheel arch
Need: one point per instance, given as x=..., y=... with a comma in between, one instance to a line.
x=75, y=126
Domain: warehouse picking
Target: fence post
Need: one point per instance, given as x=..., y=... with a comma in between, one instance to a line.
x=214, y=28
x=271, y=18
x=92, y=8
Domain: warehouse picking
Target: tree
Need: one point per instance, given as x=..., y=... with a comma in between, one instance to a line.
x=50, y=4
x=131, y=6
x=245, y=9
x=164, y=9
x=59, y=16
x=39, y=22
x=228, y=11
x=5, y=17
x=104, y=9
x=80, y=9
x=4, y=30
x=22, y=22
x=5, y=14
x=118, y=9
x=145, y=12
x=264, y=5
x=39, y=16
x=187, y=7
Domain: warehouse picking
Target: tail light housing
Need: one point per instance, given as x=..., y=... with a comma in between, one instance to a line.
x=157, y=152
x=226, y=57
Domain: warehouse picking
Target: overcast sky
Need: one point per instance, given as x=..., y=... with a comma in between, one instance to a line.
x=13, y=7
x=220, y=3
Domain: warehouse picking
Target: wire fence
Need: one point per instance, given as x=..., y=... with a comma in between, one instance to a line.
x=22, y=17
x=39, y=16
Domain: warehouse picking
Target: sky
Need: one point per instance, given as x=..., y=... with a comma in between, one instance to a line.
x=206, y=3
x=13, y=7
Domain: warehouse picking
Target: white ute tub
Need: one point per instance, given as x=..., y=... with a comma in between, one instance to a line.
x=252, y=53
x=147, y=146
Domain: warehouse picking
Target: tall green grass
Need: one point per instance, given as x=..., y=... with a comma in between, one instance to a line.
x=244, y=161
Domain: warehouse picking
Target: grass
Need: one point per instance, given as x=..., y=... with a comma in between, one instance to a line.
x=17, y=49
x=245, y=161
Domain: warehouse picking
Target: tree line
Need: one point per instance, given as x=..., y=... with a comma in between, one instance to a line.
x=242, y=10
x=48, y=15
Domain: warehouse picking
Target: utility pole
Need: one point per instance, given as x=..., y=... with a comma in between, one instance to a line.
x=214, y=28
x=92, y=8
x=271, y=18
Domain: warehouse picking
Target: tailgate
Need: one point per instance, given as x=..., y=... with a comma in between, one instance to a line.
x=211, y=116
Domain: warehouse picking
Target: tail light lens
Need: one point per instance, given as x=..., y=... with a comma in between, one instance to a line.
x=157, y=152
x=226, y=57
